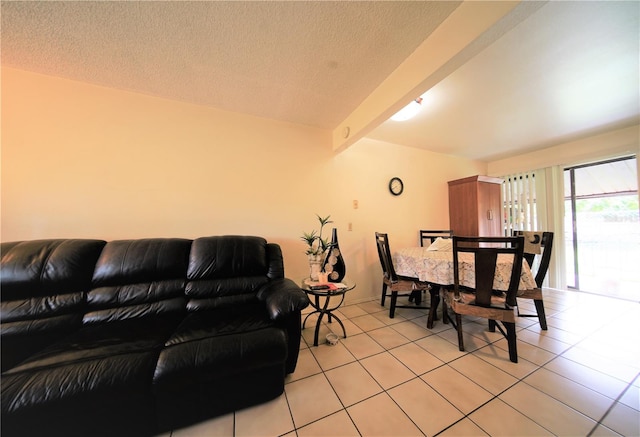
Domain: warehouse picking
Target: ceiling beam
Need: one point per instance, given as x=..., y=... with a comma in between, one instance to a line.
x=439, y=55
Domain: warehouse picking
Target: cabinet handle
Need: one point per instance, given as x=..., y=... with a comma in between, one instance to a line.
x=489, y=214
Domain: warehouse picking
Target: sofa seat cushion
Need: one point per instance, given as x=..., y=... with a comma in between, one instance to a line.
x=96, y=361
x=213, y=344
x=100, y=376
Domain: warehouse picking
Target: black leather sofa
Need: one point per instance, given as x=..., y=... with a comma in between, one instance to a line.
x=138, y=337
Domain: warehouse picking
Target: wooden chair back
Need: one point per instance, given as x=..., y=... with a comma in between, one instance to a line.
x=486, y=251
x=430, y=236
x=544, y=259
x=384, y=253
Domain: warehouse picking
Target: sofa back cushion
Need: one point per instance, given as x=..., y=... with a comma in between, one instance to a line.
x=43, y=292
x=138, y=278
x=229, y=270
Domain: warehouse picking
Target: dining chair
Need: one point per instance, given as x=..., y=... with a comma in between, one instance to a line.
x=482, y=300
x=398, y=285
x=430, y=236
x=539, y=262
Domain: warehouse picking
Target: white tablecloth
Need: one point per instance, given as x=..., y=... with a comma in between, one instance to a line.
x=437, y=267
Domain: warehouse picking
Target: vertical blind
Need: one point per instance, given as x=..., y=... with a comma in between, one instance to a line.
x=533, y=201
x=519, y=201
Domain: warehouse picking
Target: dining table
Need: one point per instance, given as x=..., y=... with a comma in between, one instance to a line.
x=436, y=268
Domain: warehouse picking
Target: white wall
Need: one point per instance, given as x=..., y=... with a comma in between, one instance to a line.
x=611, y=144
x=85, y=161
x=362, y=173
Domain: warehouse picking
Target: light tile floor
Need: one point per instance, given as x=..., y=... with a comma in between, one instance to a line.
x=394, y=377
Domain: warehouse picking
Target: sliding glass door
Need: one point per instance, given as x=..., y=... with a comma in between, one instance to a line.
x=602, y=229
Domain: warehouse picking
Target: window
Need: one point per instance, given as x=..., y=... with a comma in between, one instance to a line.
x=602, y=228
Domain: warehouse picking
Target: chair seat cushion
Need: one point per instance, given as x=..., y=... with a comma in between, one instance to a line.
x=407, y=284
x=534, y=293
x=499, y=310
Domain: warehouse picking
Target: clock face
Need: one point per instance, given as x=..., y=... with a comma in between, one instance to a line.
x=396, y=186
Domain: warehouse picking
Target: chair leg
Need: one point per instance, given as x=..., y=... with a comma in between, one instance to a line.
x=416, y=297
x=511, y=340
x=392, y=307
x=445, y=315
x=492, y=325
x=384, y=294
x=541, y=315
x=459, y=329
x=433, y=309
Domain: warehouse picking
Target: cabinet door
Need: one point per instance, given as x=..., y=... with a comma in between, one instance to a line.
x=489, y=210
x=474, y=206
x=463, y=207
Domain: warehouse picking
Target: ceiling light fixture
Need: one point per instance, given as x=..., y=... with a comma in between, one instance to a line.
x=408, y=111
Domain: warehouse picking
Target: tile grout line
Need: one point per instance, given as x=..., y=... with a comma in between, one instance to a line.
x=613, y=404
x=465, y=416
x=384, y=391
x=419, y=376
x=518, y=380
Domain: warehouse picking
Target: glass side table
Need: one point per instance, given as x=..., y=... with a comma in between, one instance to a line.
x=325, y=299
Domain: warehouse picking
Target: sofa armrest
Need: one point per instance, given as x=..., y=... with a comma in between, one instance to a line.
x=282, y=297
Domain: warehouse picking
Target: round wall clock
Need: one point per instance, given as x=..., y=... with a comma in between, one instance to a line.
x=396, y=186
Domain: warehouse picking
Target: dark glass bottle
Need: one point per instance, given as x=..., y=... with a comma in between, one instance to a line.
x=334, y=262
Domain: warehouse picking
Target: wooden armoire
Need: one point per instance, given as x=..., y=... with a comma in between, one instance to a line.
x=475, y=206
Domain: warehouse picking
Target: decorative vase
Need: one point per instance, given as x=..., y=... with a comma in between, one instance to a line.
x=315, y=265
x=334, y=262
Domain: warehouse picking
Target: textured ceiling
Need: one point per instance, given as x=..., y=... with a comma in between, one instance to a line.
x=560, y=71
x=303, y=62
